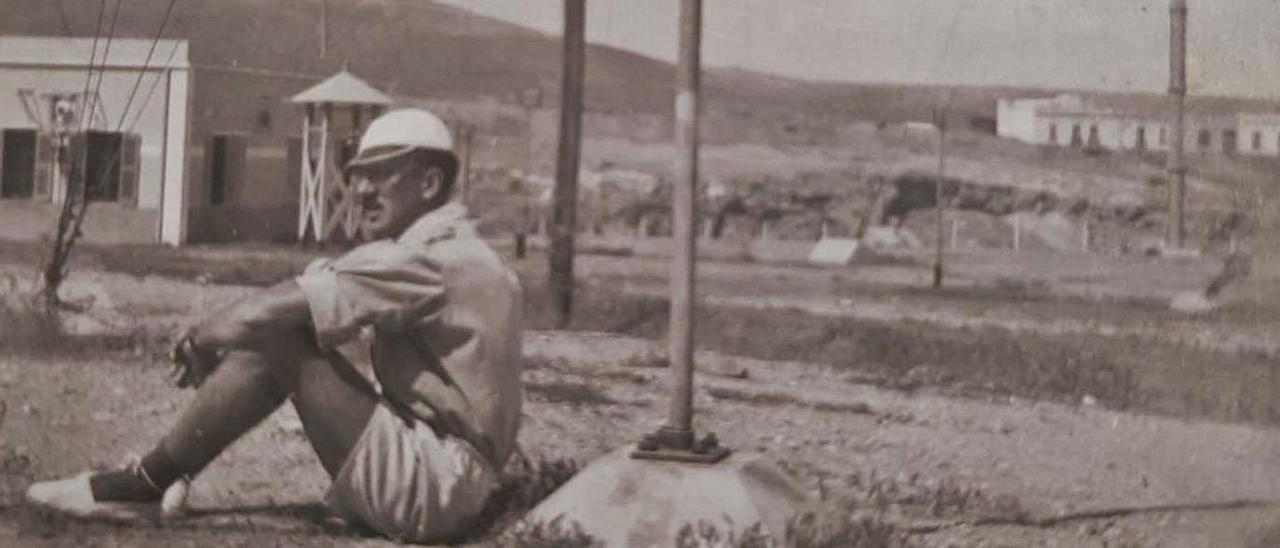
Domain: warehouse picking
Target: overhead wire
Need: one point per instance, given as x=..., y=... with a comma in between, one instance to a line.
x=146, y=100
x=146, y=63
x=102, y=68
x=93, y=58
x=117, y=158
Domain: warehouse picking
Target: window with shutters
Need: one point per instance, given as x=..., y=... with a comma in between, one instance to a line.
x=18, y=163
x=111, y=166
x=45, y=170
x=102, y=165
x=130, y=168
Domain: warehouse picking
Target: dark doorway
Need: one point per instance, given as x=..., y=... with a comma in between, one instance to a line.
x=1229, y=141
x=293, y=162
x=218, y=171
x=226, y=157
x=1140, y=142
x=102, y=165
x=18, y=158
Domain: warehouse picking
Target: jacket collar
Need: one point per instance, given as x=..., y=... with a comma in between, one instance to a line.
x=435, y=224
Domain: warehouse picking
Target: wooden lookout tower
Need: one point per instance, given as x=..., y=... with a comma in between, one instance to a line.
x=337, y=110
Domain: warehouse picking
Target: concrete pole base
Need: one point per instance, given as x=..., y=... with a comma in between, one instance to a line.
x=623, y=501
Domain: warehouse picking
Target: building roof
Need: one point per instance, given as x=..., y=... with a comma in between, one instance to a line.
x=77, y=52
x=343, y=88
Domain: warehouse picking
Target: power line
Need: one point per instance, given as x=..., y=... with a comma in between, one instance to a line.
x=102, y=69
x=154, y=84
x=145, y=64
x=93, y=57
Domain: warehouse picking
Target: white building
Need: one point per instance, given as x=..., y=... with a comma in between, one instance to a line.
x=1068, y=120
x=137, y=167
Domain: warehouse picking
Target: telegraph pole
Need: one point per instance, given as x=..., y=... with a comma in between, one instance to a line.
x=675, y=440
x=565, y=195
x=684, y=214
x=324, y=27
x=1175, y=236
x=939, y=120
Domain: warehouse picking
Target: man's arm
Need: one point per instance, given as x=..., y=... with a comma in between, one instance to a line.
x=255, y=322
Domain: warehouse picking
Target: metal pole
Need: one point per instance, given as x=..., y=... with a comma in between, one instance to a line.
x=940, y=120
x=324, y=27
x=565, y=195
x=1175, y=236
x=468, y=134
x=526, y=210
x=684, y=214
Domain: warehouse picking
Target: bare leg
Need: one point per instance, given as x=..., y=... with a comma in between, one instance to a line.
x=233, y=400
x=246, y=388
x=334, y=410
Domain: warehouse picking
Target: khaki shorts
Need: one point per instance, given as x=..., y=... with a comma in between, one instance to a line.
x=409, y=483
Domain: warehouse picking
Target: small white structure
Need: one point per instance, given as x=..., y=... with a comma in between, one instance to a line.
x=834, y=251
x=135, y=141
x=1260, y=134
x=1070, y=121
x=326, y=202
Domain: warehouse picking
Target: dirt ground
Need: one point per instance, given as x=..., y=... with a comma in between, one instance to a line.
x=951, y=469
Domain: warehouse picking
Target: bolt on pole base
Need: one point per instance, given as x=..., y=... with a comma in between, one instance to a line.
x=672, y=444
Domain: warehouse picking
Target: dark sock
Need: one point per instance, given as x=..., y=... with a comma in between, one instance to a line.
x=123, y=485
x=145, y=482
x=160, y=468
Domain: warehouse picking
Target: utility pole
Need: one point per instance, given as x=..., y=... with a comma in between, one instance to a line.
x=940, y=121
x=530, y=99
x=676, y=440
x=324, y=27
x=565, y=195
x=467, y=134
x=1175, y=237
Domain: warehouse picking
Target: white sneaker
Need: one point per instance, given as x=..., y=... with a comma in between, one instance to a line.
x=74, y=497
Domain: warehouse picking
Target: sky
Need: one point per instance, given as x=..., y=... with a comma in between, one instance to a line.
x=1114, y=45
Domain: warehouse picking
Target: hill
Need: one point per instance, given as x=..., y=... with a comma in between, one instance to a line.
x=421, y=48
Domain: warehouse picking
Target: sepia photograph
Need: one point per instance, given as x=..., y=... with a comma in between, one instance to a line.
x=640, y=273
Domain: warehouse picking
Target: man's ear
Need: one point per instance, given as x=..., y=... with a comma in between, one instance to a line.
x=432, y=183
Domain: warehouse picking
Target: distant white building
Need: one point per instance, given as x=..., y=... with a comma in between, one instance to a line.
x=135, y=122
x=1070, y=121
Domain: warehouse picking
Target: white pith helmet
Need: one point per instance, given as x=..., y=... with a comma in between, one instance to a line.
x=401, y=131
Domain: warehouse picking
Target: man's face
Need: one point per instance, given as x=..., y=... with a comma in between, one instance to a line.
x=393, y=194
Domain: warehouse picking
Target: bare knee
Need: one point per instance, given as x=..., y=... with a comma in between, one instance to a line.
x=280, y=364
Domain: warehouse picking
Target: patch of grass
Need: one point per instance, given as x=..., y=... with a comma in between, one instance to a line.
x=915, y=495
x=1119, y=372
x=557, y=533
x=576, y=393
x=629, y=377
x=525, y=484
x=780, y=399
x=647, y=360
x=708, y=535
x=841, y=527
x=26, y=327
x=994, y=360
x=828, y=526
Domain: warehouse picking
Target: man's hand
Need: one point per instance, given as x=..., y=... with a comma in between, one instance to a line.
x=191, y=364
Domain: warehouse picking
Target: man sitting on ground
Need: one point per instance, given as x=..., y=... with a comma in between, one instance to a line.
x=414, y=453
